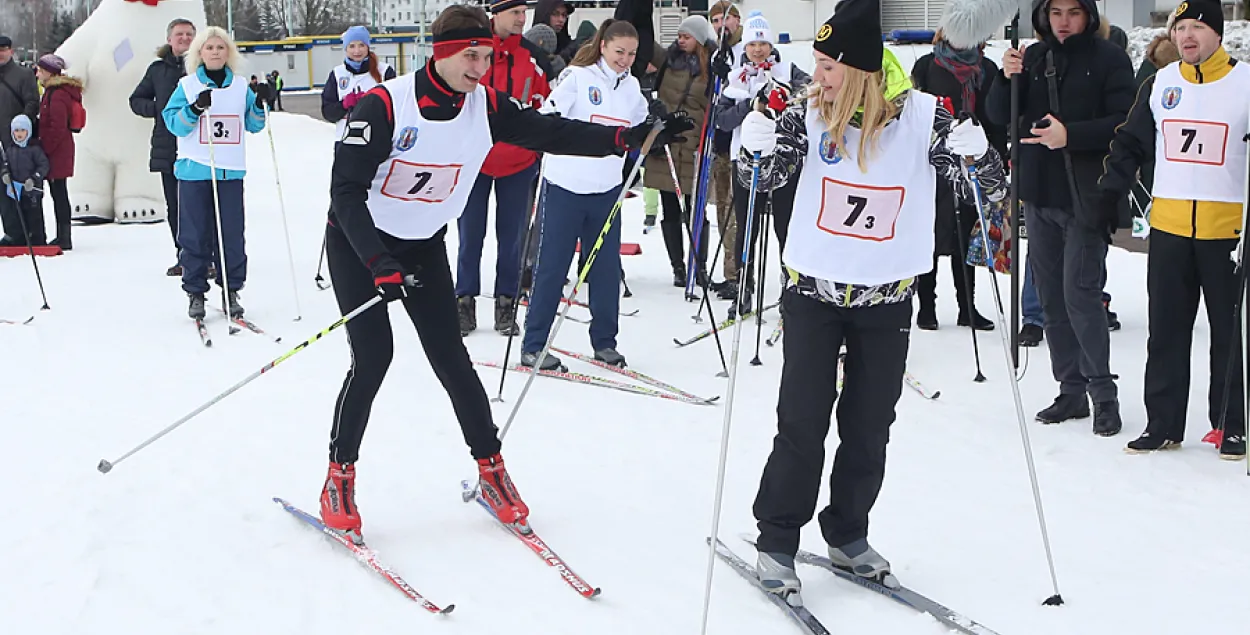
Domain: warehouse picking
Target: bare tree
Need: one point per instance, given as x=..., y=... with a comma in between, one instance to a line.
x=325, y=17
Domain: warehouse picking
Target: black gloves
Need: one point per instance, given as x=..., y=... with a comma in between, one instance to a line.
x=720, y=64
x=389, y=279
x=203, y=101
x=674, y=125
x=1106, y=212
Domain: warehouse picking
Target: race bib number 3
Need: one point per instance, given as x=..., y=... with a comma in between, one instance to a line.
x=421, y=182
x=1194, y=141
x=860, y=211
x=226, y=130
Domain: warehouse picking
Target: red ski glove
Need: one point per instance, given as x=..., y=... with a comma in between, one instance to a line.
x=350, y=100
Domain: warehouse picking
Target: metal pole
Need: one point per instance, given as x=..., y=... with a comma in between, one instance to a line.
x=421, y=38
x=230, y=18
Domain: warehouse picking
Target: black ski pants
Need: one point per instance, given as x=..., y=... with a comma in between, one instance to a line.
x=432, y=308
x=876, y=340
x=1179, y=271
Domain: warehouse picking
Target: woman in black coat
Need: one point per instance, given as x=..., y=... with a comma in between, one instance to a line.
x=964, y=77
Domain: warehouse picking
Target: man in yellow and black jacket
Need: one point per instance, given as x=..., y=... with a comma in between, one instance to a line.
x=1192, y=118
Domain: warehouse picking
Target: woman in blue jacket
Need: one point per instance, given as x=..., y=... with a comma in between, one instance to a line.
x=208, y=113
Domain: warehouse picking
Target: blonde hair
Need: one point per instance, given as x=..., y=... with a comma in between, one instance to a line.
x=861, y=92
x=234, y=61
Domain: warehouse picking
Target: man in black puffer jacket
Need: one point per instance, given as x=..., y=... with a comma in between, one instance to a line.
x=1093, y=82
x=149, y=100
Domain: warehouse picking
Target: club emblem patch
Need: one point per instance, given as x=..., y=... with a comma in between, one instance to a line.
x=829, y=150
x=1171, y=97
x=596, y=95
x=407, y=139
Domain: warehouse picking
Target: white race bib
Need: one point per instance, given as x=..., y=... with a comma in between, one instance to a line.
x=1186, y=141
x=226, y=130
x=605, y=120
x=423, y=182
x=864, y=212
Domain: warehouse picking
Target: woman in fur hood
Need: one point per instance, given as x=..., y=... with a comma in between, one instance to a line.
x=61, y=93
x=209, y=112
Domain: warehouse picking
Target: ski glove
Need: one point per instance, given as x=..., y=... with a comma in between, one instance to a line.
x=203, y=101
x=967, y=139
x=674, y=125
x=350, y=100
x=720, y=64
x=389, y=279
x=759, y=134
x=30, y=185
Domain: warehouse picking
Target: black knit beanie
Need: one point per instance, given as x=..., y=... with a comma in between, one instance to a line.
x=853, y=35
x=1205, y=11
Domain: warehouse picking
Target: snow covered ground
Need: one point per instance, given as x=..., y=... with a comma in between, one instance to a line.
x=183, y=538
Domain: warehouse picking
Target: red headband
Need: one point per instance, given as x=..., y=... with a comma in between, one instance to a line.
x=449, y=43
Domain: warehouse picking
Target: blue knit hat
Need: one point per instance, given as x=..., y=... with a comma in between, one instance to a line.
x=21, y=122
x=356, y=34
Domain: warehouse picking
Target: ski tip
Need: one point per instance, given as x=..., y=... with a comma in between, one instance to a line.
x=449, y=609
x=594, y=594
x=723, y=374
x=677, y=342
x=937, y=394
x=105, y=467
x=29, y=320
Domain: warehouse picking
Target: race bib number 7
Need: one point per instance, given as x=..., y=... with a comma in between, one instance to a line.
x=226, y=130
x=1187, y=141
x=421, y=182
x=864, y=212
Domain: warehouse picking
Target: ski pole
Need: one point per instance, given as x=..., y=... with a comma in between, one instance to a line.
x=759, y=296
x=729, y=404
x=106, y=466
x=970, y=174
x=525, y=255
x=207, y=118
x=961, y=243
x=581, y=278
x=320, y=281
x=286, y=231
x=681, y=206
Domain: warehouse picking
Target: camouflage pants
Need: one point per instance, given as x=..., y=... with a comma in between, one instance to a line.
x=726, y=221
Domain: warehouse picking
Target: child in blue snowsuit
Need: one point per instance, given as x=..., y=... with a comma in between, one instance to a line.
x=27, y=165
x=209, y=112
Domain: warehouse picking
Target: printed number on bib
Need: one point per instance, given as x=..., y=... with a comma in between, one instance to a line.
x=864, y=212
x=1187, y=141
x=226, y=130
x=605, y=120
x=421, y=182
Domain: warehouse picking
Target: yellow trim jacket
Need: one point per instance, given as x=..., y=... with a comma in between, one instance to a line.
x=1143, y=136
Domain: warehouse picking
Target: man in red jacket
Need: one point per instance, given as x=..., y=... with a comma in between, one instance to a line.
x=519, y=69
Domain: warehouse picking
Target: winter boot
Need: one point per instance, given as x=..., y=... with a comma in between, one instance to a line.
x=1107, y=421
x=505, y=317
x=611, y=357
x=174, y=271
x=737, y=309
x=500, y=494
x=1233, y=447
x=1031, y=335
x=861, y=559
x=466, y=305
x=979, y=322
x=231, y=299
x=338, y=502
x=777, y=575
x=550, y=362
x=1113, y=321
x=1065, y=407
x=196, y=310
x=62, y=239
x=212, y=271
x=726, y=290
x=1151, y=442
x=926, y=317
x=679, y=276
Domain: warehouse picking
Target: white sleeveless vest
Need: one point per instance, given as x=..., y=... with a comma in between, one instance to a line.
x=348, y=82
x=867, y=229
x=1199, y=152
x=224, y=122
x=433, y=164
x=585, y=93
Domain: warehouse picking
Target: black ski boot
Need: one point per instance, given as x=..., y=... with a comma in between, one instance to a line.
x=1233, y=447
x=550, y=362
x=1066, y=407
x=611, y=357
x=1151, y=442
x=1031, y=335
x=727, y=290
x=1107, y=421
x=196, y=310
x=679, y=276
x=466, y=305
x=926, y=317
x=232, y=300
x=174, y=271
x=979, y=322
x=1113, y=321
x=505, y=317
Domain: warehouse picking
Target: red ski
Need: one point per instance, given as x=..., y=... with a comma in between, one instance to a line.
x=537, y=545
